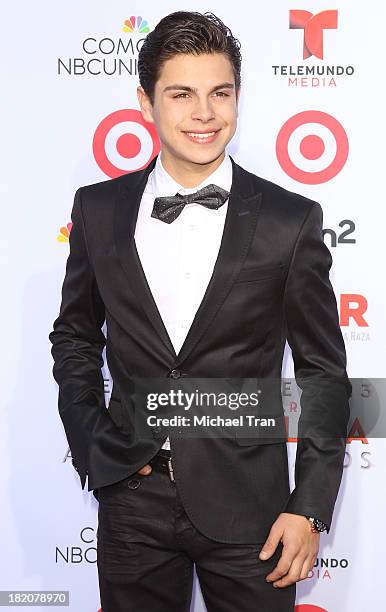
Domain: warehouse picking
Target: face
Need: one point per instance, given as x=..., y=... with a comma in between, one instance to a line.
x=195, y=107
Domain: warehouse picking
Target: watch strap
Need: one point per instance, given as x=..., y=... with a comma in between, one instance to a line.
x=317, y=525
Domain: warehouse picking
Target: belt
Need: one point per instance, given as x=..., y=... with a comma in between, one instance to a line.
x=162, y=461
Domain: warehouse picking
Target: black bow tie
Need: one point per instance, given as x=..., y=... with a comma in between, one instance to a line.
x=168, y=208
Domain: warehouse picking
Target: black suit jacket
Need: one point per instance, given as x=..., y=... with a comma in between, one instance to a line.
x=270, y=282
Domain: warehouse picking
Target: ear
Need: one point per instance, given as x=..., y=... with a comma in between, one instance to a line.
x=145, y=105
x=237, y=101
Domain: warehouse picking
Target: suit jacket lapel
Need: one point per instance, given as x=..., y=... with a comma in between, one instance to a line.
x=125, y=217
x=240, y=224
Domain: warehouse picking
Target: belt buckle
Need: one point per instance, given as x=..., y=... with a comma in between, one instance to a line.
x=170, y=468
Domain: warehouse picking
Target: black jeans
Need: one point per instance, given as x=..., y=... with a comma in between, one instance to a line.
x=147, y=548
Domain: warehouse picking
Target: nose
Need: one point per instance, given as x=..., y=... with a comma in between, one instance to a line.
x=203, y=110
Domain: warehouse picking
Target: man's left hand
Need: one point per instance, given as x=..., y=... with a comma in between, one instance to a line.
x=300, y=549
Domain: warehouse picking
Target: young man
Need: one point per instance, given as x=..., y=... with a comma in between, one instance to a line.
x=206, y=283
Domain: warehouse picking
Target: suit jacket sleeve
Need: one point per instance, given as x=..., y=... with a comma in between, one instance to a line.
x=319, y=357
x=77, y=345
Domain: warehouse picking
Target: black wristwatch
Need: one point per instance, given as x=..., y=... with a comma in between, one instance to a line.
x=317, y=526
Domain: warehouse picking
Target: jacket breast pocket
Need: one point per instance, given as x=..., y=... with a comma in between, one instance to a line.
x=276, y=433
x=260, y=273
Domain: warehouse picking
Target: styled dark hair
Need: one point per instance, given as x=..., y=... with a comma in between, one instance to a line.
x=185, y=32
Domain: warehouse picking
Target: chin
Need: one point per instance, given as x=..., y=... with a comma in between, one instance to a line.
x=203, y=157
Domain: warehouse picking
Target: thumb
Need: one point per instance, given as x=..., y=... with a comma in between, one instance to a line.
x=145, y=470
x=270, y=545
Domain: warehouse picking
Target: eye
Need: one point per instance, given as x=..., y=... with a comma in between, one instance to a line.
x=184, y=95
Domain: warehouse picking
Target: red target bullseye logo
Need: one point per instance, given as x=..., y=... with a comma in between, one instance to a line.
x=123, y=142
x=312, y=147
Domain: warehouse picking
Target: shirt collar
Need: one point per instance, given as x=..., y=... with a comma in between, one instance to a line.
x=165, y=185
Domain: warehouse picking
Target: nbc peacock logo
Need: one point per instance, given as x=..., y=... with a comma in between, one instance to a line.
x=136, y=24
x=64, y=233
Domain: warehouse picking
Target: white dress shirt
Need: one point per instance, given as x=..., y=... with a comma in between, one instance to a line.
x=178, y=258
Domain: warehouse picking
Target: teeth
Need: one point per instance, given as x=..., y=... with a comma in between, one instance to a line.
x=201, y=136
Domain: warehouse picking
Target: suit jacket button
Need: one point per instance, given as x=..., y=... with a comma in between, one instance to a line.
x=134, y=483
x=175, y=374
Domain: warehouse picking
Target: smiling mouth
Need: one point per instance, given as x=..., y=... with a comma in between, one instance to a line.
x=202, y=137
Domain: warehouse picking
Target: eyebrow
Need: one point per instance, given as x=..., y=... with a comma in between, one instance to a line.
x=194, y=89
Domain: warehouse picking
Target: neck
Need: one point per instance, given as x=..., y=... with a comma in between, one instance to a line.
x=189, y=174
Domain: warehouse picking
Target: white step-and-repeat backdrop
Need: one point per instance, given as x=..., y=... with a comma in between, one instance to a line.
x=311, y=119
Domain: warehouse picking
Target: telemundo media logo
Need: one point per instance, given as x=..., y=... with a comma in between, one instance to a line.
x=313, y=72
